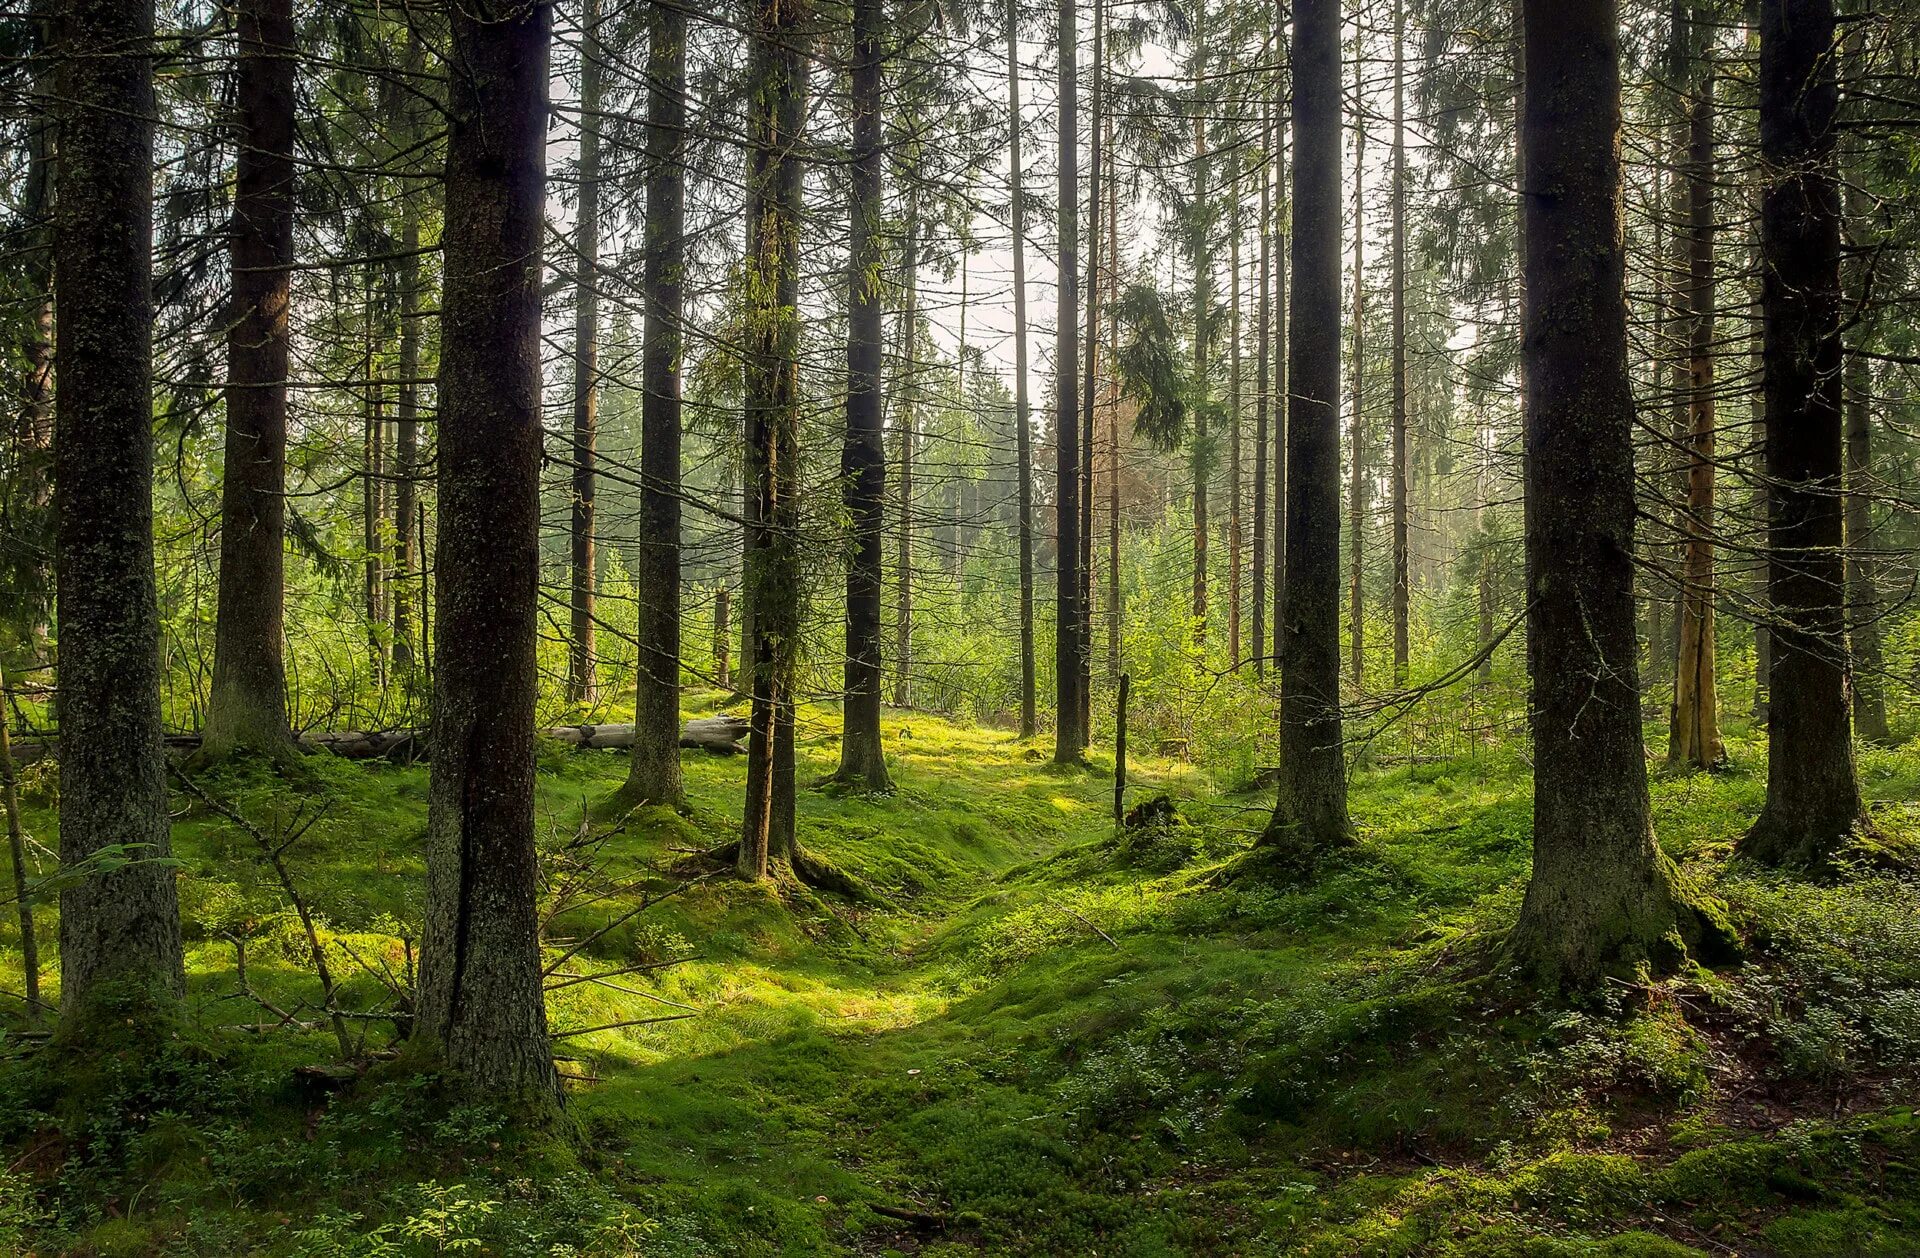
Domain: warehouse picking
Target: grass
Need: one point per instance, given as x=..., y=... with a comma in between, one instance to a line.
x=1039, y=1037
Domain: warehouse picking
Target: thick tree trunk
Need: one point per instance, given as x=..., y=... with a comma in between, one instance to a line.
x=1022, y=419
x=654, y=773
x=1070, y=739
x=247, y=706
x=778, y=64
x=582, y=670
x=1602, y=893
x=1813, y=793
x=481, y=1005
x=126, y=923
x=1402, y=576
x=1694, y=736
x=863, y=459
x=1310, y=812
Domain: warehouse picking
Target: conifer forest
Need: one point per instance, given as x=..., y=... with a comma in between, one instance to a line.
x=949, y=627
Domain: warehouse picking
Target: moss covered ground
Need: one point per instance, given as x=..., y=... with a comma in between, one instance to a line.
x=1035, y=1036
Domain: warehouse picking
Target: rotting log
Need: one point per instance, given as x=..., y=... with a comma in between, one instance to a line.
x=718, y=734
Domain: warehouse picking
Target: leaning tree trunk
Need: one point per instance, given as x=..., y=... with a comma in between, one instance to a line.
x=1069, y=739
x=582, y=670
x=1813, y=793
x=778, y=65
x=247, y=706
x=1022, y=420
x=654, y=771
x=1602, y=893
x=863, y=459
x=1310, y=812
x=481, y=1008
x=1694, y=734
x=124, y=923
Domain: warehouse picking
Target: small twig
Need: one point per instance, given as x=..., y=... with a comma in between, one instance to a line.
x=568, y=980
x=621, y=920
x=615, y=1026
x=1090, y=926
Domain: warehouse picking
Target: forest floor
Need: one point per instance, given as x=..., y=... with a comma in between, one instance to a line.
x=1038, y=1036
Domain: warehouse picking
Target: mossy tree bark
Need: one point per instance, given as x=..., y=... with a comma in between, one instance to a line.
x=124, y=923
x=778, y=68
x=653, y=773
x=481, y=1005
x=247, y=706
x=1602, y=893
x=1813, y=792
x=863, y=460
x=1310, y=813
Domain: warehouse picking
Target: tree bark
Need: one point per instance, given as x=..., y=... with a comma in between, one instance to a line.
x=1402, y=577
x=778, y=66
x=481, y=1005
x=863, y=459
x=1202, y=327
x=407, y=543
x=1356, y=432
x=124, y=923
x=582, y=670
x=29, y=492
x=1022, y=419
x=1262, y=400
x=1310, y=812
x=1813, y=792
x=1083, y=635
x=1863, y=578
x=1602, y=893
x=907, y=431
x=1694, y=736
x=654, y=773
x=1070, y=739
x=247, y=706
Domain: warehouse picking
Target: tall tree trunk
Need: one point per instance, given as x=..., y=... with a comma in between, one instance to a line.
x=654, y=771
x=778, y=65
x=1282, y=395
x=1235, y=518
x=406, y=433
x=1602, y=893
x=1813, y=793
x=1694, y=737
x=373, y=486
x=1863, y=581
x=248, y=703
x=1402, y=578
x=1069, y=739
x=1310, y=812
x=481, y=1006
x=1356, y=432
x=863, y=459
x=907, y=425
x=1202, y=326
x=1113, y=413
x=582, y=672
x=1022, y=420
x=1262, y=325
x=1083, y=634
x=124, y=923
x=29, y=496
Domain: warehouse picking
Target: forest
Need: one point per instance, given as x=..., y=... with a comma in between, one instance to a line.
x=941, y=627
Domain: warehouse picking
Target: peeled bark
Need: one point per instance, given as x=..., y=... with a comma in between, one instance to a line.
x=1310, y=811
x=863, y=460
x=1813, y=792
x=247, y=706
x=654, y=773
x=481, y=1008
x=582, y=670
x=123, y=924
x=1602, y=893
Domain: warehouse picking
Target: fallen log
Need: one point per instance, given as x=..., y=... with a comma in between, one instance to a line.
x=718, y=734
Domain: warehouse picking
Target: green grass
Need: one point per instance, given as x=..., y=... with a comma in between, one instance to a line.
x=1051, y=1039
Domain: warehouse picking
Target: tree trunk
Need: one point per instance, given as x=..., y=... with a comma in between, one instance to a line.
x=863, y=460
x=1113, y=413
x=1262, y=323
x=29, y=495
x=778, y=64
x=1357, y=433
x=1602, y=893
x=1310, y=812
x=1202, y=327
x=654, y=772
x=407, y=544
x=1083, y=634
x=1070, y=740
x=1235, y=518
x=582, y=679
x=1022, y=420
x=1282, y=397
x=907, y=429
x=1402, y=578
x=22, y=873
x=1813, y=793
x=247, y=706
x=124, y=923
x=1694, y=737
x=1863, y=580
x=481, y=1006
